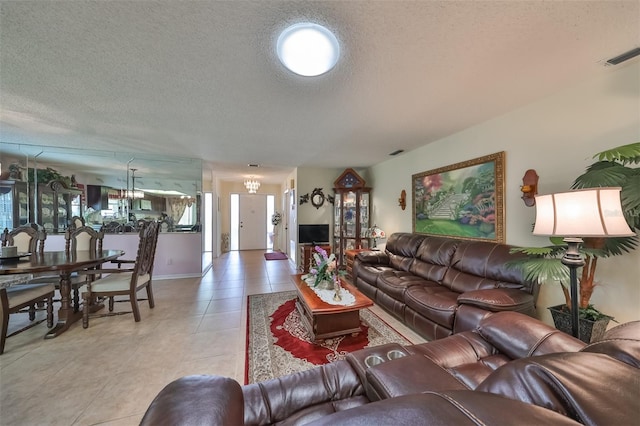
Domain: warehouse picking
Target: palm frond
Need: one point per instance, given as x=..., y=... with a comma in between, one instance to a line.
x=543, y=270
x=619, y=245
x=603, y=173
x=547, y=251
x=626, y=154
x=630, y=198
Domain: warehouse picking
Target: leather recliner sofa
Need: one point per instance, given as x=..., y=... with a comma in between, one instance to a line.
x=439, y=286
x=512, y=369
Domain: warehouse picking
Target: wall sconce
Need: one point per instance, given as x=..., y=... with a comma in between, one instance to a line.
x=402, y=201
x=529, y=187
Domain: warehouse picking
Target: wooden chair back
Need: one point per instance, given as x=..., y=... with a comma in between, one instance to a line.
x=28, y=238
x=166, y=226
x=146, y=249
x=83, y=238
x=76, y=222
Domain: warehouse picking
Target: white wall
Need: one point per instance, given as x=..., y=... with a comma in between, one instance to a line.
x=310, y=178
x=178, y=255
x=557, y=136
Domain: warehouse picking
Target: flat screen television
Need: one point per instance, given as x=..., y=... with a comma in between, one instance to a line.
x=313, y=234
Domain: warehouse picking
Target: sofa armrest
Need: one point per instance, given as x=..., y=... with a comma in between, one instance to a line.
x=197, y=400
x=498, y=299
x=373, y=257
x=304, y=395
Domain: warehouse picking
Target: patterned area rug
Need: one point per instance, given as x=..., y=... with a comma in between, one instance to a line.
x=278, y=344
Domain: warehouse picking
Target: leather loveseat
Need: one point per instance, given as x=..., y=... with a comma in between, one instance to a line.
x=512, y=369
x=439, y=286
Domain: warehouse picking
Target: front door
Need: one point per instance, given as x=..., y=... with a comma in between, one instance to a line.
x=253, y=222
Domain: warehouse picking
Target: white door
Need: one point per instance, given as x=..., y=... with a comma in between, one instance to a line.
x=253, y=222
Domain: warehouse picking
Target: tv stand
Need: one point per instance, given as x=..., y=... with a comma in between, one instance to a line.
x=306, y=255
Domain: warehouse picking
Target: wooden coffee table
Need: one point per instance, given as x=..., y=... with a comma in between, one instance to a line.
x=323, y=320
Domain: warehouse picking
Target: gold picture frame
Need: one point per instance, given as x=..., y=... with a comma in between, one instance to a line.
x=464, y=200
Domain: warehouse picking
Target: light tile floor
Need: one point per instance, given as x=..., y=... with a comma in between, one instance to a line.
x=109, y=373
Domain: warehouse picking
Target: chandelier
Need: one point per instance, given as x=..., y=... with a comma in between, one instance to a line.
x=252, y=185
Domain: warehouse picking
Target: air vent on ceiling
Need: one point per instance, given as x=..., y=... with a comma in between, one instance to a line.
x=624, y=57
x=396, y=152
x=253, y=165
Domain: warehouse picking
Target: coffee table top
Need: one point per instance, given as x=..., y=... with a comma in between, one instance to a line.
x=319, y=307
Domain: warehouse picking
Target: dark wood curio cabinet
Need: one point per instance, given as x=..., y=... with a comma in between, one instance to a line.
x=51, y=205
x=351, y=211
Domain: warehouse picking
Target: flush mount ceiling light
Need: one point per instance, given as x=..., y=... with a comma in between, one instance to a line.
x=308, y=49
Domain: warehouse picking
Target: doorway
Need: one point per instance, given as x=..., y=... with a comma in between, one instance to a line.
x=251, y=227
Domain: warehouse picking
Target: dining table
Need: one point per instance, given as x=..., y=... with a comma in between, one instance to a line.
x=64, y=263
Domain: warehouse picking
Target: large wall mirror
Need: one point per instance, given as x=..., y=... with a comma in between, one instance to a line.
x=106, y=188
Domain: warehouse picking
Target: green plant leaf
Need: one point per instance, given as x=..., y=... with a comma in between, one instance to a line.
x=630, y=197
x=540, y=269
x=604, y=173
x=626, y=154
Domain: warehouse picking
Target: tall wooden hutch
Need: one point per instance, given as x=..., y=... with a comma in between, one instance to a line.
x=52, y=205
x=351, y=213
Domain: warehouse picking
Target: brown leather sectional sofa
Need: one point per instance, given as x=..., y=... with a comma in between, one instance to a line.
x=512, y=369
x=439, y=286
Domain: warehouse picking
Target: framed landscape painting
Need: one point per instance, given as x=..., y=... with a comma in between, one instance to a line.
x=464, y=200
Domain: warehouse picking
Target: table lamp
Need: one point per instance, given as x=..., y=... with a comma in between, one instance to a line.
x=375, y=233
x=591, y=212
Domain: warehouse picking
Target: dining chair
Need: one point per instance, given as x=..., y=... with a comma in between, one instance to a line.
x=27, y=238
x=166, y=226
x=125, y=282
x=76, y=222
x=82, y=238
x=23, y=298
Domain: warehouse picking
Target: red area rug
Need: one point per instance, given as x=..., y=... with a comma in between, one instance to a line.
x=278, y=344
x=276, y=255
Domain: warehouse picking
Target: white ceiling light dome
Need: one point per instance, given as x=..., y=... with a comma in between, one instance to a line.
x=308, y=49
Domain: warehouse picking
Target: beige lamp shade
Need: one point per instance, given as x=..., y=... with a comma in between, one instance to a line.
x=591, y=212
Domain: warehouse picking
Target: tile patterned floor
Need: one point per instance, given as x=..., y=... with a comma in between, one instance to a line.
x=109, y=373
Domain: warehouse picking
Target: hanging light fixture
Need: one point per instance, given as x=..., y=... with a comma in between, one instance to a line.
x=252, y=185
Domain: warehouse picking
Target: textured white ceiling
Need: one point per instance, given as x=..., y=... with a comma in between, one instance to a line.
x=200, y=78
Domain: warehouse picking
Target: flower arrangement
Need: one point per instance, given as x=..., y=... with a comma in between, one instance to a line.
x=276, y=218
x=324, y=267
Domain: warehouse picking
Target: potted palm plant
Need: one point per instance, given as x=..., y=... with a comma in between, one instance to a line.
x=614, y=167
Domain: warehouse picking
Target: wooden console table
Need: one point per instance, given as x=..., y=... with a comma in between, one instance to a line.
x=323, y=320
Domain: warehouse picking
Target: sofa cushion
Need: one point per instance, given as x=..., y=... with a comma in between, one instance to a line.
x=496, y=300
x=461, y=407
x=433, y=301
x=433, y=258
x=395, y=283
x=517, y=336
x=402, y=248
x=572, y=384
x=621, y=342
x=480, y=265
x=370, y=273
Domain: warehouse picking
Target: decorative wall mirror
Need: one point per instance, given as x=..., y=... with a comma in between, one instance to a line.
x=317, y=198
